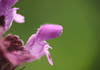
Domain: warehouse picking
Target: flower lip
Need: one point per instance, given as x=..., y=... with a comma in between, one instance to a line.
x=49, y=31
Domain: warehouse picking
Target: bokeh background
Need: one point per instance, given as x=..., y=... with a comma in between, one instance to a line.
x=79, y=46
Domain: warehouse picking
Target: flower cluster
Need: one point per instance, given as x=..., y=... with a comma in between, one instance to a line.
x=12, y=50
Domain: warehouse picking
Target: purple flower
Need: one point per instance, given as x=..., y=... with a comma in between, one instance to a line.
x=8, y=14
x=37, y=44
x=13, y=51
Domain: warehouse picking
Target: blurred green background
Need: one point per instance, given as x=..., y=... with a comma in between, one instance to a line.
x=78, y=47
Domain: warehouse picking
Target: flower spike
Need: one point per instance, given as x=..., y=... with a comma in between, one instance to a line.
x=12, y=50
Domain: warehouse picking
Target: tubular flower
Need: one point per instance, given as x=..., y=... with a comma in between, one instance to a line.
x=13, y=52
x=8, y=14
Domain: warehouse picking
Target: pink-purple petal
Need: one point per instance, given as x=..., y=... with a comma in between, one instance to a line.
x=47, y=53
x=9, y=17
x=5, y=5
x=18, y=17
x=49, y=31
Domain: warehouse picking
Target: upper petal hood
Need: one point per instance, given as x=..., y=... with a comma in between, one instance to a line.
x=49, y=31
